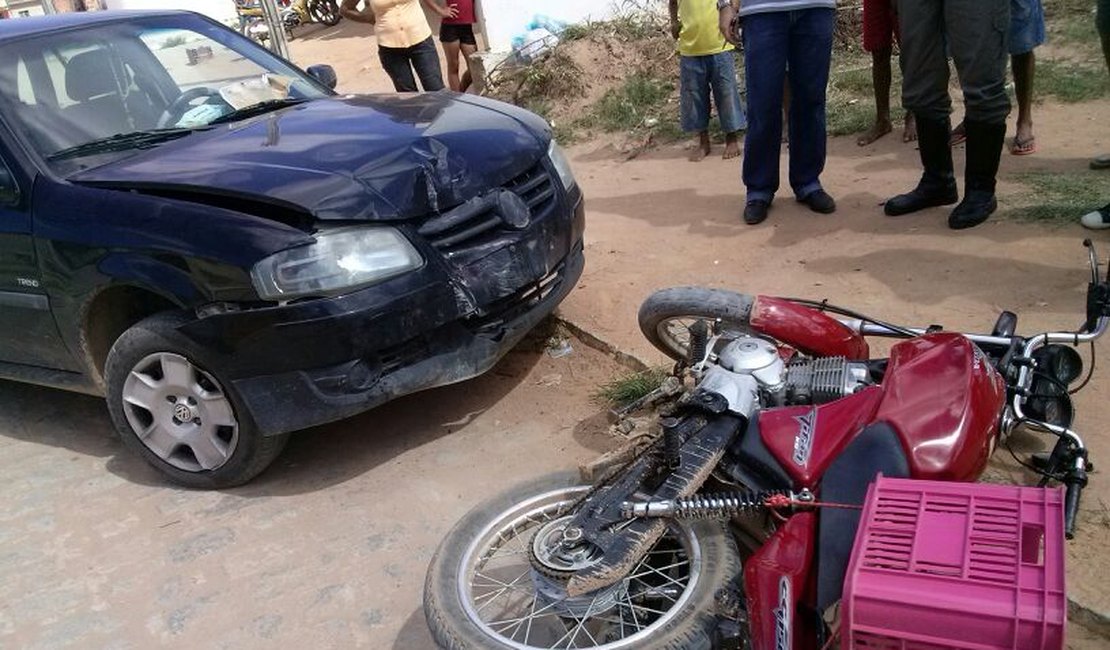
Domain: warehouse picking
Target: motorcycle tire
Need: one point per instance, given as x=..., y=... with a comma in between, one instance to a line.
x=455, y=614
x=666, y=313
x=325, y=12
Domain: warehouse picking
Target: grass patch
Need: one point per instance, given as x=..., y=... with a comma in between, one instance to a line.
x=1071, y=83
x=642, y=96
x=631, y=387
x=1060, y=198
x=846, y=115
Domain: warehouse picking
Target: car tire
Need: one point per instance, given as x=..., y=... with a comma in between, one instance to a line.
x=170, y=402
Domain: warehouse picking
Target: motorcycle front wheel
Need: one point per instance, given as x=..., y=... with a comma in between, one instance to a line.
x=667, y=316
x=488, y=588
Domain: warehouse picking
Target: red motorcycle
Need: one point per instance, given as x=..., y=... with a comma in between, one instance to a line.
x=786, y=412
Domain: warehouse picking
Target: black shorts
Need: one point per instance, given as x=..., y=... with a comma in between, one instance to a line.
x=449, y=33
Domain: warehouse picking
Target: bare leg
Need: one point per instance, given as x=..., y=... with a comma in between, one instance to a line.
x=880, y=79
x=909, y=133
x=467, y=76
x=732, y=146
x=451, y=53
x=1024, y=66
x=703, y=149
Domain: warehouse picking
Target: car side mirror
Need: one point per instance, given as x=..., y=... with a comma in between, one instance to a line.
x=9, y=189
x=323, y=73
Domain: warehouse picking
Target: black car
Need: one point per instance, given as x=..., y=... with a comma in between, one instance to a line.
x=229, y=251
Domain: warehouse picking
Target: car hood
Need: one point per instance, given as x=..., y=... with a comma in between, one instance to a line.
x=375, y=158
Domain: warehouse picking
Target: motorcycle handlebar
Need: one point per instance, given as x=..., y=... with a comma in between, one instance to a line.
x=1075, y=483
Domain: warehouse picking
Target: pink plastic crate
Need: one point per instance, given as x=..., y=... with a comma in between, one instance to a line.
x=939, y=565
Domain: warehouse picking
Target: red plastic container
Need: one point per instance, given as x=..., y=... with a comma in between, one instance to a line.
x=939, y=565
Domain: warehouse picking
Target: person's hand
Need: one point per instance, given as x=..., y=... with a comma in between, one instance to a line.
x=451, y=11
x=676, y=29
x=727, y=15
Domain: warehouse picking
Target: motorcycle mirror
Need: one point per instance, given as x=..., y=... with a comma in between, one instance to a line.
x=323, y=73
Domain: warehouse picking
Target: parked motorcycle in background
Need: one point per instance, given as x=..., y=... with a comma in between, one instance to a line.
x=294, y=13
x=734, y=525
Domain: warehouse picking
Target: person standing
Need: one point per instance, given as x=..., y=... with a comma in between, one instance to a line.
x=1100, y=219
x=707, y=65
x=404, y=40
x=880, y=31
x=778, y=34
x=976, y=33
x=1027, y=32
x=456, y=33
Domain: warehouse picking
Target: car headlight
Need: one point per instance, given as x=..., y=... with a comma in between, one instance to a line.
x=342, y=259
x=562, y=165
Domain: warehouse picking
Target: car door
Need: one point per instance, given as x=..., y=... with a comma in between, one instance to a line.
x=28, y=332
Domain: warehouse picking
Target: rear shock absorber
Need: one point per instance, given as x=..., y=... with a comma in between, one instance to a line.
x=723, y=505
x=699, y=339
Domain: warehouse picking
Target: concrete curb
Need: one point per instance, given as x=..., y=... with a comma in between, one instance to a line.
x=1092, y=619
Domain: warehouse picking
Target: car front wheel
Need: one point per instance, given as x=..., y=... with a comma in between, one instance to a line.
x=168, y=402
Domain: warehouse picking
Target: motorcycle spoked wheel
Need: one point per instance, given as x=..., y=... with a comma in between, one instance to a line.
x=485, y=590
x=667, y=316
x=325, y=12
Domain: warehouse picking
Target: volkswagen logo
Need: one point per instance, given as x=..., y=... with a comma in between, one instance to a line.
x=182, y=412
x=514, y=212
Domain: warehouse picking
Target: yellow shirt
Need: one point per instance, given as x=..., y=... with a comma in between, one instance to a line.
x=701, y=34
x=399, y=23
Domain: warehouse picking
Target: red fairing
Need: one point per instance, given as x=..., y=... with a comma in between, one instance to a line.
x=944, y=398
x=805, y=439
x=775, y=580
x=807, y=329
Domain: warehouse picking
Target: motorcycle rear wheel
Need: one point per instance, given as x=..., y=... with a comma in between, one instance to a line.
x=484, y=590
x=667, y=316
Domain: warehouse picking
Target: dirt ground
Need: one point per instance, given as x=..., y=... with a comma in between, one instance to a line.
x=328, y=549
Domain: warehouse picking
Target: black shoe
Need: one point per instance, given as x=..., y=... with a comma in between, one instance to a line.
x=819, y=201
x=756, y=212
x=925, y=195
x=984, y=149
x=977, y=207
x=938, y=181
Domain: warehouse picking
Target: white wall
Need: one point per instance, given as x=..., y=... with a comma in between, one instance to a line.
x=221, y=10
x=507, y=19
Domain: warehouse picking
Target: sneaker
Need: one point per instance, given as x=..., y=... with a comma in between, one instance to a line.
x=1098, y=219
x=819, y=201
x=756, y=212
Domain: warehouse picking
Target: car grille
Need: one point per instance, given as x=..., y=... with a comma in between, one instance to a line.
x=510, y=308
x=462, y=229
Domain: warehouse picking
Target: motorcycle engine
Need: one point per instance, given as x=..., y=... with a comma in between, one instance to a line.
x=807, y=381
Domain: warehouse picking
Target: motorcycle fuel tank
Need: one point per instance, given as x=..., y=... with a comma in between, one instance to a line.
x=944, y=398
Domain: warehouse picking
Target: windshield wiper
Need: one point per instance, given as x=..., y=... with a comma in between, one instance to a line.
x=257, y=109
x=121, y=142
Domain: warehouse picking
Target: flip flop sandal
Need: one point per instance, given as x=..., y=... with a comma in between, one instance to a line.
x=1101, y=162
x=1024, y=147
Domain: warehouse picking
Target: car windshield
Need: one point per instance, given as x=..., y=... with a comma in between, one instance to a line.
x=109, y=89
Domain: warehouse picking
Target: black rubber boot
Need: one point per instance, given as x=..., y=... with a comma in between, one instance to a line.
x=984, y=151
x=938, y=184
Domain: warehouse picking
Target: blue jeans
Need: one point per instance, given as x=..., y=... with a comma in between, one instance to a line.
x=802, y=40
x=701, y=75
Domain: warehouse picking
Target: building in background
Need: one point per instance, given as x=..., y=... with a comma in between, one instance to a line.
x=21, y=8
x=219, y=10
x=504, y=21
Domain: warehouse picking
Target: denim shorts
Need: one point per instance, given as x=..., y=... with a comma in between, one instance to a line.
x=712, y=75
x=1026, y=26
